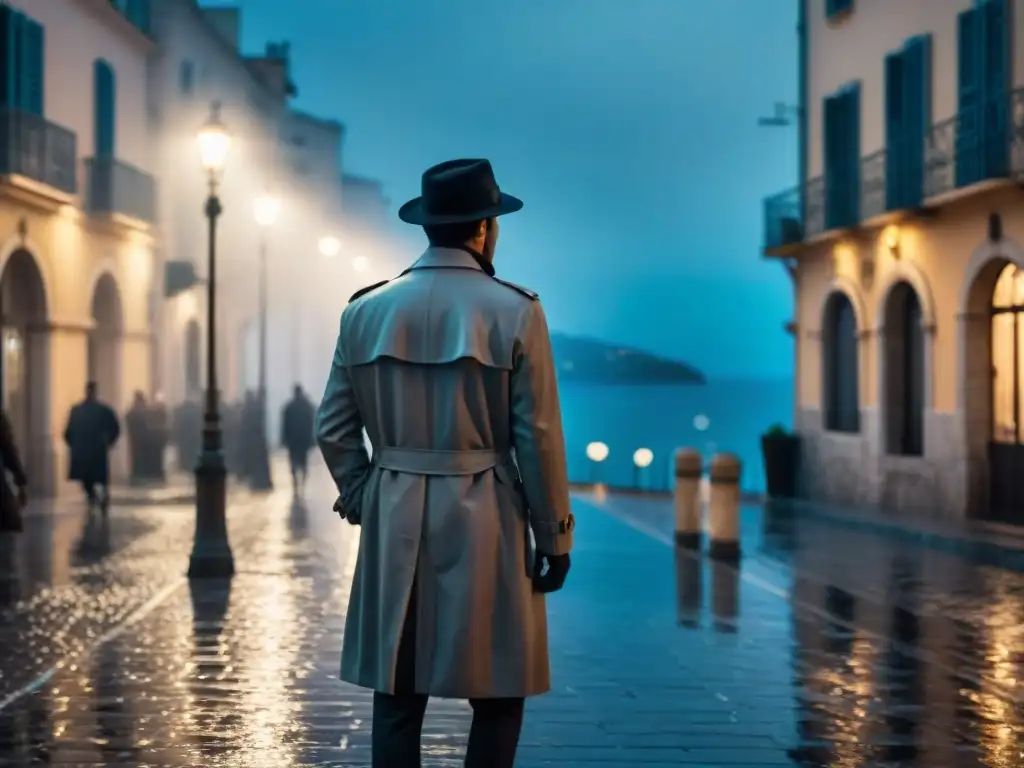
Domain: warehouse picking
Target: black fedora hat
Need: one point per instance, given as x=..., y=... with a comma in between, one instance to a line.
x=457, y=191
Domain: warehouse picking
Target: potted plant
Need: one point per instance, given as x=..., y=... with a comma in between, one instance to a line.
x=780, y=449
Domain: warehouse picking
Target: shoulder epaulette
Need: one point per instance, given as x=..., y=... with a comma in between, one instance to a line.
x=363, y=291
x=525, y=291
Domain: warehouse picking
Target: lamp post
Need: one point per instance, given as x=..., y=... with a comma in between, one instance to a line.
x=211, y=552
x=266, y=209
x=642, y=459
x=597, y=452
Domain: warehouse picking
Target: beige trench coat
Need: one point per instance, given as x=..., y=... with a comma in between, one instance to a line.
x=450, y=372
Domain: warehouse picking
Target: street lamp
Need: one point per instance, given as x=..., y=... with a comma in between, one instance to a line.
x=211, y=552
x=597, y=452
x=329, y=246
x=266, y=208
x=642, y=459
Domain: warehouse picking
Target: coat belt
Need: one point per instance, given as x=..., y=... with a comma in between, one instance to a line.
x=420, y=461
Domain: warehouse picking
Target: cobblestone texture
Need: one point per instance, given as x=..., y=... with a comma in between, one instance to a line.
x=825, y=648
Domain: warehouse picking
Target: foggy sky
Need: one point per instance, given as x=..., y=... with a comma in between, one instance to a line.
x=627, y=126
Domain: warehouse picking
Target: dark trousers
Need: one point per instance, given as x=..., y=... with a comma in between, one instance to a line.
x=299, y=461
x=398, y=717
x=94, y=498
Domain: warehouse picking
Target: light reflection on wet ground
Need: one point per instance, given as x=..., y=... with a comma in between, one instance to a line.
x=828, y=648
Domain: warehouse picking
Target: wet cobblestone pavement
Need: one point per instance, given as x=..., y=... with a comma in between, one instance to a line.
x=826, y=648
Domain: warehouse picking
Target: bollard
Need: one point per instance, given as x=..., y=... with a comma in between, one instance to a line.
x=724, y=508
x=689, y=467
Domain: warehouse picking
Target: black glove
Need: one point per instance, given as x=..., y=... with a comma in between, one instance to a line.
x=551, y=579
x=353, y=519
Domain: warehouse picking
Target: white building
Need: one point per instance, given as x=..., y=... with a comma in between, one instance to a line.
x=197, y=63
x=76, y=209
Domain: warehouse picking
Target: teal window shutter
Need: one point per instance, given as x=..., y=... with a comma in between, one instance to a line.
x=829, y=145
x=104, y=109
x=852, y=154
x=916, y=111
x=992, y=48
x=32, y=66
x=894, y=99
x=835, y=7
x=9, y=25
x=138, y=13
x=968, y=133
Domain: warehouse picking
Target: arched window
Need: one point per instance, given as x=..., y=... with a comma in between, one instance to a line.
x=1008, y=357
x=840, y=375
x=903, y=348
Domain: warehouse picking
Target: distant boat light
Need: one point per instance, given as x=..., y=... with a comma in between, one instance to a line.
x=701, y=422
x=597, y=452
x=643, y=457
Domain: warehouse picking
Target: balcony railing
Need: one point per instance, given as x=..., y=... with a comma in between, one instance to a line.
x=983, y=144
x=873, y=184
x=33, y=147
x=790, y=217
x=113, y=187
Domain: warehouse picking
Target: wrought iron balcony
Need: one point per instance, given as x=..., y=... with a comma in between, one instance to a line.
x=982, y=144
x=873, y=184
x=794, y=215
x=113, y=187
x=34, y=148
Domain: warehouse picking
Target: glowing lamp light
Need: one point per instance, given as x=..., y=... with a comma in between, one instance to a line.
x=597, y=452
x=642, y=458
x=329, y=246
x=266, y=208
x=361, y=264
x=214, y=143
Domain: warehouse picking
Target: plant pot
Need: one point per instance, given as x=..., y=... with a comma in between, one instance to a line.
x=781, y=455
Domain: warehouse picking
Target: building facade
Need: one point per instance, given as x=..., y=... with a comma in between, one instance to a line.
x=198, y=62
x=77, y=213
x=905, y=242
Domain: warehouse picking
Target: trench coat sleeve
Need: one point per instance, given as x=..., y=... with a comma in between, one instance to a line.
x=113, y=427
x=339, y=432
x=11, y=460
x=537, y=435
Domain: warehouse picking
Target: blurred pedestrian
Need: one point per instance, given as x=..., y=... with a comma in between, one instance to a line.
x=297, y=436
x=13, y=480
x=92, y=431
x=188, y=432
x=135, y=423
x=450, y=371
x=159, y=434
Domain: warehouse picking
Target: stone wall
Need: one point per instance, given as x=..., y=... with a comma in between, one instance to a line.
x=854, y=470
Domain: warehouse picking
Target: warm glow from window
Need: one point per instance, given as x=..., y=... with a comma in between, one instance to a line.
x=1008, y=356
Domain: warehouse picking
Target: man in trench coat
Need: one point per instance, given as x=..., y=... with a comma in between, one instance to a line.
x=450, y=371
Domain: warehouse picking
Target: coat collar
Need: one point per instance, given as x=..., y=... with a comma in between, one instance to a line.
x=452, y=258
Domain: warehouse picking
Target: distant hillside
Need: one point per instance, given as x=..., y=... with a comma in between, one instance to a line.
x=596, y=362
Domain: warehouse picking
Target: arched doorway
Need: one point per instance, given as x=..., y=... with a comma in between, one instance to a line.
x=104, y=346
x=24, y=363
x=1006, y=452
x=840, y=367
x=193, y=340
x=904, y=382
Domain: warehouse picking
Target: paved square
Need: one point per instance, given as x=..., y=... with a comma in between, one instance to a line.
x=826, y=647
